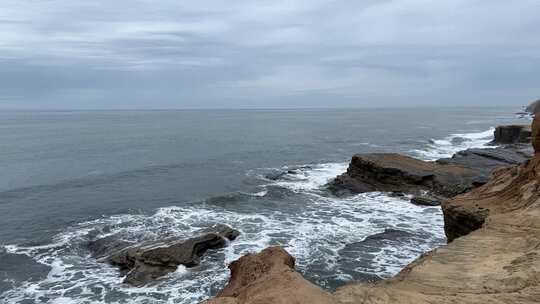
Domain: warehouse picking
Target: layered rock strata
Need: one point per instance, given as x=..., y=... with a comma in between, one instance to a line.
x=512, y=134
x=434, y=181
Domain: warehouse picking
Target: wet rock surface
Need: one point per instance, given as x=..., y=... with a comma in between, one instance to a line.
x=445, y=178
x=390, y=172
x=483, y=161
x=426, y=200
x=103, y=247
x=142, y=263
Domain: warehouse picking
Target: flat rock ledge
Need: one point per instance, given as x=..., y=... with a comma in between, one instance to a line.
x=145, y=262
x=493, y=256
x=390, y=172
x=434, y=182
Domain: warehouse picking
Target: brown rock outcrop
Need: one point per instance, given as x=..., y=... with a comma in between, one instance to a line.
x=268, y=277
x=391, y=172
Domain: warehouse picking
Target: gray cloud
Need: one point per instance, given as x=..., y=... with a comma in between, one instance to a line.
x=316, y=53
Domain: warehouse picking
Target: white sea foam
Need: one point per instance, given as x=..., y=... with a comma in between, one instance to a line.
x=260, y=193
x=313, y=227
x=442, y=148
x=311, y=177
x=314, y=234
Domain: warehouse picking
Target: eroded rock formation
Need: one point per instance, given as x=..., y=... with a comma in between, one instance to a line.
x=511, y=134
x=268, y=277
x=399, y=173
x=145, y=262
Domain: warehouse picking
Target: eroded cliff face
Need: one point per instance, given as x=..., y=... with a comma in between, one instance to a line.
x=493, y=256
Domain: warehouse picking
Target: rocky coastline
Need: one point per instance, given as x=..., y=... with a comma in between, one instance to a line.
x=433, y=182
x=491, y=206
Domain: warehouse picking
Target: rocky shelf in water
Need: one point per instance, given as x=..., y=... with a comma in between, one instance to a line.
x=142, y=263
x=432, y=182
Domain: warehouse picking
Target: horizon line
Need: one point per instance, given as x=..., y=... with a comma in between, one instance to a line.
x=258, y=108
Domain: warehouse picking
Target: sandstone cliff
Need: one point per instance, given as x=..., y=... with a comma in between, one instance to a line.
x=493, y=256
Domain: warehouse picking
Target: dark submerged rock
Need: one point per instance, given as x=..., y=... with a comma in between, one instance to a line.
x=145, y=262
x=374, y=242
x=101, y=248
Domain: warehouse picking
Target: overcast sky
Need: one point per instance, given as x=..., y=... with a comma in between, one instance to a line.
x=232, y=53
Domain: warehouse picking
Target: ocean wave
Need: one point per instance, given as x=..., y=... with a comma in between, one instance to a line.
x=304, y=177
x=315, y=231
x=288, y=207
x=443, y=148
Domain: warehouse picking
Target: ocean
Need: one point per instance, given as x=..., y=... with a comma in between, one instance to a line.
x=69, y=177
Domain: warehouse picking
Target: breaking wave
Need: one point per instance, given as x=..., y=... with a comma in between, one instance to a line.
x=289, y=208
x=443, y=148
